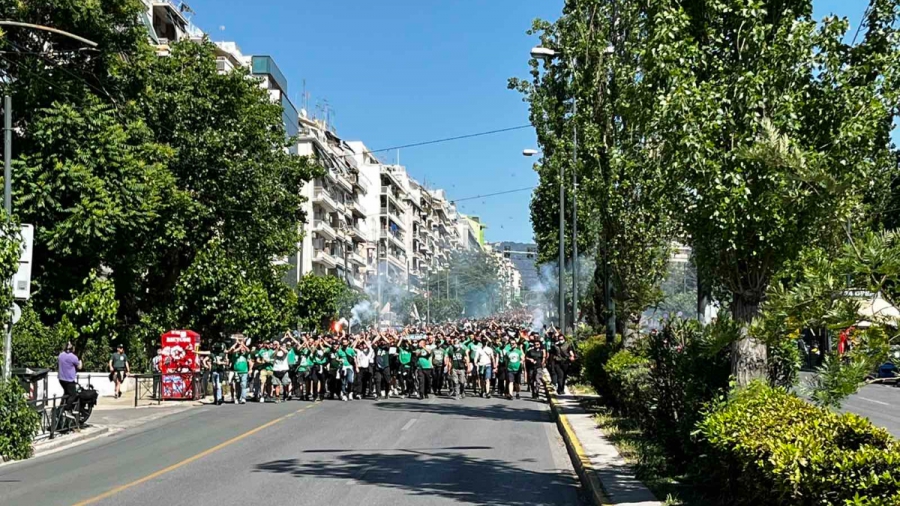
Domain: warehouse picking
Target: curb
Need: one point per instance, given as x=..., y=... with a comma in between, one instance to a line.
x=52, y=445
x=582, y=463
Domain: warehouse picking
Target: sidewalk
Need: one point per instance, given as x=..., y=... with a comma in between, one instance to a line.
x=605, y=475
x=109, y=417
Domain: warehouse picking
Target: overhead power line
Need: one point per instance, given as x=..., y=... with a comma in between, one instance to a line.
x=493, y=194
x=449, y=139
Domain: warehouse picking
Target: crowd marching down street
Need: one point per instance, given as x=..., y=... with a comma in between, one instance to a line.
x=492, y=357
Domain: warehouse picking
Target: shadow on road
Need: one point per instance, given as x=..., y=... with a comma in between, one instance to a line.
x=514, y=412
x=437, y=472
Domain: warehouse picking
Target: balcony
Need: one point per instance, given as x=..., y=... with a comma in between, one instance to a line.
x=356, y=258
x=357, y=209
x=321, y=197
x=344, y=182
x=324, y=258
x=393, y=195
x=360, y=183
x=324, y=229
x=397, y=260
x=394, y=216
x=357, y=234
x=265, y=66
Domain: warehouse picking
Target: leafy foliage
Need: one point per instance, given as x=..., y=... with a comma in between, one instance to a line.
x=322, y=299
x=766, y=446
x=623, y=191
x=132, y=168
x=18, y=422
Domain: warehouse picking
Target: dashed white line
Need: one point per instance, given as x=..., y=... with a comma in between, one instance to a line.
x=873, y=400
x=409, y=424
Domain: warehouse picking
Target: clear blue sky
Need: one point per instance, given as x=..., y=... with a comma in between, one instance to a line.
x=397, y=72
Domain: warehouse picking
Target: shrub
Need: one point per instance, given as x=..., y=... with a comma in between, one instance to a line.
x=628, y=375
x=35, y=344
x=593, y=353
x=18, y=422
x=767, y=446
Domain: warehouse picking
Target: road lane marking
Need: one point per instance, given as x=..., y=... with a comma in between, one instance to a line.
x=409, y=424
x=157, y=474
x=873, y=400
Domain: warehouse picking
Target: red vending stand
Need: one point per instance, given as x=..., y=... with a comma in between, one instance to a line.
x=179, y=364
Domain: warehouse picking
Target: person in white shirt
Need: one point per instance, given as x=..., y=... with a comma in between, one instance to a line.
x=486, y=362
x=365, y=356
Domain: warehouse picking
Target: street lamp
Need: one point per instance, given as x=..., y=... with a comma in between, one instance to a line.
x=546, y=54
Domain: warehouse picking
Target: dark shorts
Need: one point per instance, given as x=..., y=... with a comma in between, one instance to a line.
x=119, y=375
x=514, y=376
x=280, y=378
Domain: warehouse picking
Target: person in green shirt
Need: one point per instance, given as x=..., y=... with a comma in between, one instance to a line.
x=303, y=368
x=291, y=387
x=239, y=356
x=318, y=373
x=424, y=369
x=404, y=355
x=347, y=355
x=514, y=358
x=458, y=365
x=264, y=363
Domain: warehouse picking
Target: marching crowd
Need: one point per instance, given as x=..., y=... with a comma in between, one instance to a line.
x=486, y=357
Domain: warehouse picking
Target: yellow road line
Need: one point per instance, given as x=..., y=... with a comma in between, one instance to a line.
x=187, y=461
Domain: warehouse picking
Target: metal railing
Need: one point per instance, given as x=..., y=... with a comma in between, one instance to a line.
x=147, y=387
x=55, y=419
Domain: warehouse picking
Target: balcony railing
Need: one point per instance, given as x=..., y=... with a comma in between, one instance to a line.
x=324, y=228
x=321, y=196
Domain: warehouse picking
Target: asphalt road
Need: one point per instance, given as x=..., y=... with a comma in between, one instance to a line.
x=879, y=403
x=398, y=452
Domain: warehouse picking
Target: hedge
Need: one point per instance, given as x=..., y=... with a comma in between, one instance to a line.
x=767, y=446
x=18, y=422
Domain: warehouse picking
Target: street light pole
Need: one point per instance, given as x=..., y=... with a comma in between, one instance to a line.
x=574, y=213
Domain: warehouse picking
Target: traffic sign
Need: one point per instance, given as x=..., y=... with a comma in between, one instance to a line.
x=21, y=281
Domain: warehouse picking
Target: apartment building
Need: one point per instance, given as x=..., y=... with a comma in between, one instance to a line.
x=166, y=22
x=336, y=235
x=509, y=276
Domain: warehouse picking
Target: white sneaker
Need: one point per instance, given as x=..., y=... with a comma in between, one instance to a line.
x=383, y=394
x=343, y=397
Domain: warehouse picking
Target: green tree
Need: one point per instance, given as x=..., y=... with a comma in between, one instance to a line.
x=777, y=129
x=624, y=192
x=322, y=299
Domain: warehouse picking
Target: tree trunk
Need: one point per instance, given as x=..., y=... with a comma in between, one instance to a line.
x=748, y=356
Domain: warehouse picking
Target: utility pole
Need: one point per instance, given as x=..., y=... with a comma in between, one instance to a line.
x=562, y=246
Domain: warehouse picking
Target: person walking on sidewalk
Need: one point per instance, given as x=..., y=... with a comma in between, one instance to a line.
x=119, y=368
x=69, y=364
